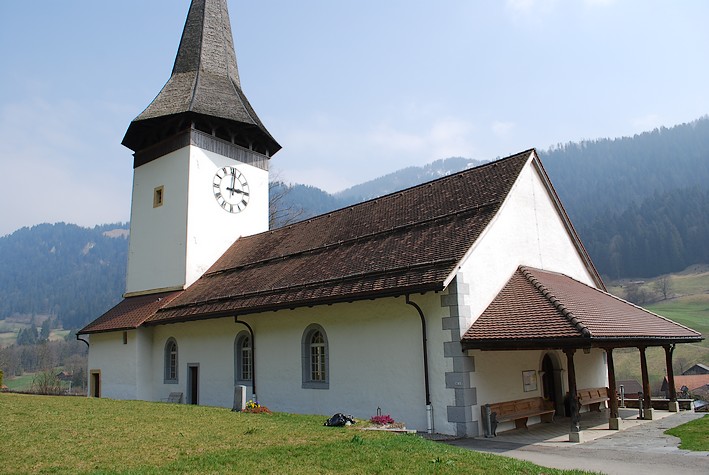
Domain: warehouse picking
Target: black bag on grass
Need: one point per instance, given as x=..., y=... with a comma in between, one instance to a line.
x=339, y=420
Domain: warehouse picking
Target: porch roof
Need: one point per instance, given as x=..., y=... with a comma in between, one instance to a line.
x=130, y=313
x=543, y=309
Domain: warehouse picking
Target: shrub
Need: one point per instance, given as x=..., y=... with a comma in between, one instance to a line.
x=382, y=420
x=46, y=382
x=253, y=407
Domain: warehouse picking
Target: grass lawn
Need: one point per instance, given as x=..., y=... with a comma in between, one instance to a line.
x=81, y=435
x=694, y=434
x=19, y=383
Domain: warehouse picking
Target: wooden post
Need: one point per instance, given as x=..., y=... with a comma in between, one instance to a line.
x=647, y=402
x=613, y=419
x=673, y=404
x=575, y=435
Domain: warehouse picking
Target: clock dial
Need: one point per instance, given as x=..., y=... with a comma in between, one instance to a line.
x=230, y=189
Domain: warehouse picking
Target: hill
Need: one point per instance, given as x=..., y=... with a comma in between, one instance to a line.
x=62, y=270
x=688, y=304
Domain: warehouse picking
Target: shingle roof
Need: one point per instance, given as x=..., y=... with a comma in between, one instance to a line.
x=204, y=83
x=537, y=308
x=129, y=313
x=408, y=241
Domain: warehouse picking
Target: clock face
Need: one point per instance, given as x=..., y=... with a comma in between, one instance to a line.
x=231, y=189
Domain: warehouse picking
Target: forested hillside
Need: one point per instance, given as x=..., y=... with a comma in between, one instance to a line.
x=63, y=270
x=640, y=204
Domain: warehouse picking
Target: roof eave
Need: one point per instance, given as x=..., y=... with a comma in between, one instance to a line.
x=373, y=295
x=512, y=344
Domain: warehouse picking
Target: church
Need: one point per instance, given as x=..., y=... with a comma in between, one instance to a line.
x=431, y=304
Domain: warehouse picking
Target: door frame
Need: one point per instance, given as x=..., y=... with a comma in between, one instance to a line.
x=95, y=383
x=192, y=383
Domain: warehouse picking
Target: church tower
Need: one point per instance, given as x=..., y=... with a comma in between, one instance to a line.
x=201, y=158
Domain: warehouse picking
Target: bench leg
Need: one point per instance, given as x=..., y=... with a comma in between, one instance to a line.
x=547, y=417
x=521, y=423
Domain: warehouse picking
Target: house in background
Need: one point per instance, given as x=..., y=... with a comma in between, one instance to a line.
x=697, y=369
x=428, y=303
x=689, y=385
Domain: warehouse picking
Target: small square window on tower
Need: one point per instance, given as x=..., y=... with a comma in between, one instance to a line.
x=158, y=196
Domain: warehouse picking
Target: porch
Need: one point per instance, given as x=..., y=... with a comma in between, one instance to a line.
x=542, y=310
x=594, y=425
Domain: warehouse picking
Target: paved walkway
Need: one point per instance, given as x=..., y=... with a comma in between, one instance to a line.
x=641, y=447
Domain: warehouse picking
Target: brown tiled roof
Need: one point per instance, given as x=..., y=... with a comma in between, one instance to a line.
x=408, y=241
x=129, y=313
x=692, y=381
x=538, y=308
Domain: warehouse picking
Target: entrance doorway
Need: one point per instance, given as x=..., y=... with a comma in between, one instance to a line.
x=551, y=383
x=193, y=384
x=95, y=383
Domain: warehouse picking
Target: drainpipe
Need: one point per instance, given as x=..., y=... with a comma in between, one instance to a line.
x=429, y=409
x=253, y=355
x=78, y=337
x=88, y=376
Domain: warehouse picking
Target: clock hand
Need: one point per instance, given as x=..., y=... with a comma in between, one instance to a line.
x=233, y=177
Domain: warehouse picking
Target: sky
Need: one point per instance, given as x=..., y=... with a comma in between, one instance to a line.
x=352, y=90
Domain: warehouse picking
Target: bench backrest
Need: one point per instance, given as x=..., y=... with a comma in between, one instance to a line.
x=592, y=393
x=531, y=404
x=175, y=398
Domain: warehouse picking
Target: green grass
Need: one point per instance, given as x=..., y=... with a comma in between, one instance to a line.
x=42, y=434
x=691, y=311
x=19, y=383
x=694, y=434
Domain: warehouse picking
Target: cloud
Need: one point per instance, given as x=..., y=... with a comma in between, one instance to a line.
x=598, y=3
x=528, y=8
x=502, y=129
x=334, y=155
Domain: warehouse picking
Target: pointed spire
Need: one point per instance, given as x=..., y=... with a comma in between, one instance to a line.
x=204, y=90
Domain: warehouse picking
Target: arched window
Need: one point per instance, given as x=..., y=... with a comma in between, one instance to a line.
x=315, y=358
x=243, y=359
x=171, y=361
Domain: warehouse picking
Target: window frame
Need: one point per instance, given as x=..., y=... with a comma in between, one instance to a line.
x=315, y=358
x=241, y=337
x=170, y=365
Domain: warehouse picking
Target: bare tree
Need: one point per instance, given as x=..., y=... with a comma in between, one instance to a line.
x=663, y=285
x=46, y=382
x=281, y=211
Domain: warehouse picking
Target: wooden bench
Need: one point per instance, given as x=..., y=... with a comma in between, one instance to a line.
x=521, y=410
x=175, y=398
x=592, y=397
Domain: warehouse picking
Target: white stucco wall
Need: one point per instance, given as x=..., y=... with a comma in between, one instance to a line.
x=210, y=229
x=172, y=245
x=528, y=230
x=116, y=362
x=375, y=360
x=156, y=253
x=498, y=375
